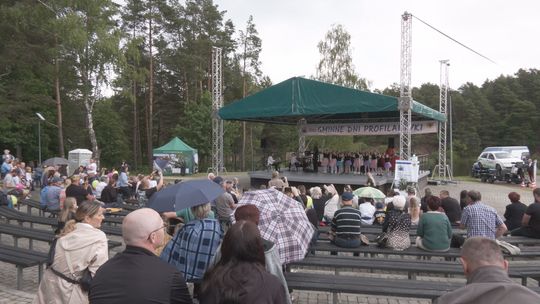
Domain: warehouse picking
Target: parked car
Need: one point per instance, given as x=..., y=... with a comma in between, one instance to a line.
x=516, y=151
x=498, y=160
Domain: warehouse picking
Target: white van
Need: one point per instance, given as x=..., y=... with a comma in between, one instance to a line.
x=519, y=152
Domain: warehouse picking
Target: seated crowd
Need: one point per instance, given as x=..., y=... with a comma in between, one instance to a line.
x=219, y=250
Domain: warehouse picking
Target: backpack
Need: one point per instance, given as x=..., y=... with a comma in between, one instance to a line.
x=43, y=197
x=3, y=199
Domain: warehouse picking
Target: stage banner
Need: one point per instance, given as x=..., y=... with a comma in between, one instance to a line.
x=367, y=128
x=408, y=170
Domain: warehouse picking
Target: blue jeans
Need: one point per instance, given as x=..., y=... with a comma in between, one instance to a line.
x=347, y=243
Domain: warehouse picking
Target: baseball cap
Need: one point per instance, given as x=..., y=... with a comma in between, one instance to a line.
x=347, y=196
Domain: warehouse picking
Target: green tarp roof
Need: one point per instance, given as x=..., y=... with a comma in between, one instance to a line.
x=174, y=146
x=317, y=102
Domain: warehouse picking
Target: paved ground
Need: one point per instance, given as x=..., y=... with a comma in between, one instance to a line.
x=493, y=194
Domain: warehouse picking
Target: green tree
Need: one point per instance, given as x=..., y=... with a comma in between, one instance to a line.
x=335, y=65
x=196, y=127
x=90, y=39
x=251, y=71
x=111, y=136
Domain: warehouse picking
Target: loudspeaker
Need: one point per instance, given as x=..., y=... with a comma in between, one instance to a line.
x=391, y=143
x=263, y=143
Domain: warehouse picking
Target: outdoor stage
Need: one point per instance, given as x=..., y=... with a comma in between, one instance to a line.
x=312, y=179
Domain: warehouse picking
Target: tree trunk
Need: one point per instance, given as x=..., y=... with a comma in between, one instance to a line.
x=135, y=125
x=90, y=125
x=149, y=131
x=58, y=104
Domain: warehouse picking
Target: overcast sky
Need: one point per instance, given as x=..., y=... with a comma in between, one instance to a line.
x=508, y=32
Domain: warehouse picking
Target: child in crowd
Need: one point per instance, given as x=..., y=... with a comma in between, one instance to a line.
x=380, y=214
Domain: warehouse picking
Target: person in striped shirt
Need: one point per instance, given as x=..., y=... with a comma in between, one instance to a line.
x=346, y=224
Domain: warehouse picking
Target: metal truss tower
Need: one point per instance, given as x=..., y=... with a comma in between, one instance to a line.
x=442, y=171
x=405, y=94
x=301, y=138
x=217, y=103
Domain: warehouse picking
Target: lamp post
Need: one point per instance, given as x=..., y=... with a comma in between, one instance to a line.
x=41, y=118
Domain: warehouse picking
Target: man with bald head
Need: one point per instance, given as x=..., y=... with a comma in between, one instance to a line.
x=487, y=278
x=137, y=275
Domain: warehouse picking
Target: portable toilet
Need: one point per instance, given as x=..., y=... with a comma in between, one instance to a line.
x=78, y=157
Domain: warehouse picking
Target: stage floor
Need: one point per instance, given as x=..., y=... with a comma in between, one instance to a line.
x=310, y=179
x=321, y=178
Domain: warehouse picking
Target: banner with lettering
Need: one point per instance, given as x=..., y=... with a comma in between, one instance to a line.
x=367, y=128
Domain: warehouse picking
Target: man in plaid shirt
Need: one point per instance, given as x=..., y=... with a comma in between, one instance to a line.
x=481, y=219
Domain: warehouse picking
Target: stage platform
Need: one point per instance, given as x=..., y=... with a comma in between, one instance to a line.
x=312, y=179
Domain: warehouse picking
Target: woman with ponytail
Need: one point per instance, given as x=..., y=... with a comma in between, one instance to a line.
x=80, y=249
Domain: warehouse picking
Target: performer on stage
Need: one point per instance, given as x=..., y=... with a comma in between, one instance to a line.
x=271, y=162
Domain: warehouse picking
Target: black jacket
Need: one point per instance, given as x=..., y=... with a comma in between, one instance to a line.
x=514, y=214
x=138, y=276
x=452, y=209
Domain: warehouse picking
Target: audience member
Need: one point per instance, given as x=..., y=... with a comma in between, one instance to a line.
x=225, y=205
x=514, y=211
x=53, y=194
x=397, y=224
x=463, y=199
x=277, y=182
x=379, y=214
x=240, y=276
x=423, y=201
x=193, y=247
x=487, y=277
x=124, y=188
x=80, y=247
x=434, y=231
x=99, y=186
x=66, y=214
x=109, y=194
x=136, y=275
x=251, y=213
x=367, y=210
x=146, y=188
x=480, y=219
x=346, y=224
x=451, y=207
x=530, y=224
x=414, y=210
x=77, y=191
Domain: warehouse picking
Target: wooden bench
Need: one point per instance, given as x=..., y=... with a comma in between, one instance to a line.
x=372, y=249
x=14, y=215
x=36, y=234
x=371, y=286
x=33, y=204
x=409, y=266
x=514, y=240
x=22, y=258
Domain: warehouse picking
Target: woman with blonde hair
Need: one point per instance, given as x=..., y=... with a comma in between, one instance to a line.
x=67, y=213
x=414, y=210
x=79, y=251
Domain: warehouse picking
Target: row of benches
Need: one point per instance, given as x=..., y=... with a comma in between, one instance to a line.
x=336, y=283
x=23, y=258
x=372, y=231
x=528, y=252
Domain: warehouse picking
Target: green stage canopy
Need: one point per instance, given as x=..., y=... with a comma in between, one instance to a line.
x=318, y=102
x=174, y=146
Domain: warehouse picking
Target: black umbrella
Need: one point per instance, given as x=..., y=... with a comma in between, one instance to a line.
x=55, y=161
x=185, y=195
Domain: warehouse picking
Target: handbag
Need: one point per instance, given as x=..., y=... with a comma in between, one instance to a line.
x=381, y=239
x=84, y=281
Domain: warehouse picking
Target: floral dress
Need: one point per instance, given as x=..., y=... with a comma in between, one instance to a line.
x=397, y=227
